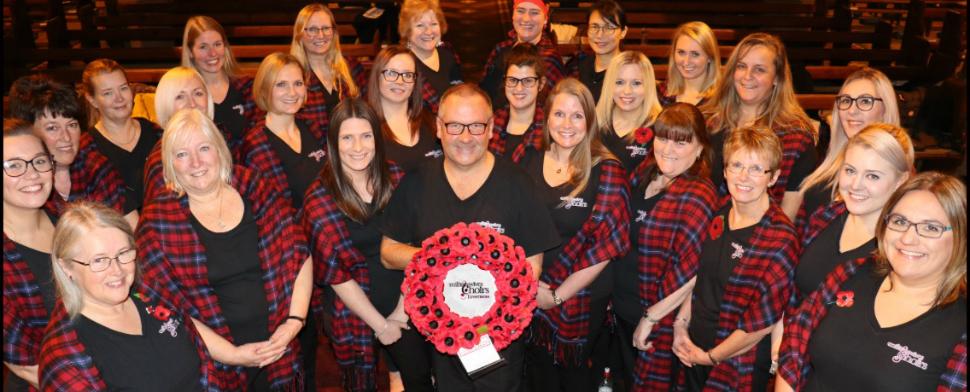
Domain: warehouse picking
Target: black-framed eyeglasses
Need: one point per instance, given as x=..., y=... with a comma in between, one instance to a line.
x=754, y=171
x=864, y=103
x=391, y=75
x=595, y=29
x=528, y=82
x=102, y=263
x=326, y=30
x=17, y=167
x=896, y=222
x=457, y=128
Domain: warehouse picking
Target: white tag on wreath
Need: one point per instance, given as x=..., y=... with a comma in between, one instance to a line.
x=469, y=291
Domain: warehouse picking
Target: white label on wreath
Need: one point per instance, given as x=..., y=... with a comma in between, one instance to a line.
x=469, y=290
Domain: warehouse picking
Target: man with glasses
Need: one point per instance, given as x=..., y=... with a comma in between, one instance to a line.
x=468, y=185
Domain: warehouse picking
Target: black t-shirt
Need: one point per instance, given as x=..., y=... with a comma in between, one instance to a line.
x=851, y=352
x=626, y=291
x=511, y=143
x=236, y=275
x=40, y=265
x=822, y=255
x=409, y=157
x=590, y=78
x=627, y=150
x=131, y=165
x=385, y=284
x=162, y=358
x=229, y=114
x=424, y=203
x=718, y=258
x=301, y=168
x=816, y=197
x=447, y=75
x=568, y=213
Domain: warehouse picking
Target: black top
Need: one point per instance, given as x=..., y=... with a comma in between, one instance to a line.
x=803, y=167
x=410, y=157
x=131, y=165
x=385, y=284
x=40, y=265
x=626, y=149
x=163, y=358
x=718, y=258
x=230, y=116
x=448, y=73
x=816, y=197
x=511, y=143
x=236, y=275
x=822, y=255
x=590, y=78
x=850, y=352
x=303, y=167
x=568, y=213
x=424, y=203
x=626, y=291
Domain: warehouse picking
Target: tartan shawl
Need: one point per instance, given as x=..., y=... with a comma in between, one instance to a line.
x=24, y=316
x=669, y=245
x=555, y=70
x=819, y=221
x=756, y=295
x=794, y=359
x=154, y=179
x=794, y=142
x=430, y=96
x=174, y=266
x=336, y=260
x=563, y=330
x=258, y=154
x=65, y=366
x=531, y=139
x=315, y=111
x=93, y=178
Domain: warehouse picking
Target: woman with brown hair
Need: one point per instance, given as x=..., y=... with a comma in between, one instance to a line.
x=421, y=25
x=517, y=128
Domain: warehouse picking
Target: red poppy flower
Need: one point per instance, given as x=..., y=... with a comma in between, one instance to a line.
x=717, y=227
x=643, y=135
x=162, y=313
x=844, y=299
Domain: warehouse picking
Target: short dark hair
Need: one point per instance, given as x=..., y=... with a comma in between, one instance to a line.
x=35, y=96
x=466, y=90
x=610, y=11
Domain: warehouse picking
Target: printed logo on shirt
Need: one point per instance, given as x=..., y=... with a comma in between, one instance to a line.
x=637, y=151
x=434, y=153
x=570, y=202
x=904, y=354
x=738, y=251
x=238, y=108
x=494, y=226
x=171, y=326
x=641, y=216
x=318, y=154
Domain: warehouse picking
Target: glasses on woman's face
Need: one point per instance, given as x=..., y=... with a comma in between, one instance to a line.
x=754, y=171
x=102, y=263
x=596, y=29
x=864, y=103
x=391, y=75
x=456, y=128
x=528, y=82
x=896, y=222
x=17, y=167
x=314, y=30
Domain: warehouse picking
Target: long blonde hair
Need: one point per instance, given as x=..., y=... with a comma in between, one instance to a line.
x=701, y=33
x=194, y=27
x=651, y=105
x=334, y=57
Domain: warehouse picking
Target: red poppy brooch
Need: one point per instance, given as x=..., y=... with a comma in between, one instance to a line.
x=717, y=227
x=643, y=135
x=844, y=299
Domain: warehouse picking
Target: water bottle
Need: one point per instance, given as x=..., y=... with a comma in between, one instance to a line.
x=607, y=384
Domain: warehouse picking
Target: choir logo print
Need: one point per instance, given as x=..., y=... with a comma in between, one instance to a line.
x=904, y=354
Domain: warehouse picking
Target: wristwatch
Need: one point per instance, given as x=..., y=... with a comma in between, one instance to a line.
x=555, y=298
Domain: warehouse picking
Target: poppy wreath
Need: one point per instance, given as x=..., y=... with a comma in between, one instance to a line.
x=490, y=251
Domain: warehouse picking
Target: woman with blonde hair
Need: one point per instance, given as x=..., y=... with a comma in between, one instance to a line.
x=866, y=97
x=585, y=189
x=421, y=25
x=102, y=336
x=694, y=65
x=628, y=107
x=206, y=49
x=330, y=76
x=757, y=90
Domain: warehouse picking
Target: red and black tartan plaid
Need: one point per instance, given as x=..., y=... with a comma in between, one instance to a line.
x=669, y=245
x=315, y=111
x=93, y=178
x=174, y=266
x=531, y=139
x=336, y=260
x=555, y=70
x=604, y=236
x=258, y=155
x=794, y=359
x=24, y=315
x=756, y=295
x=65, y=366
x=432, y=97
